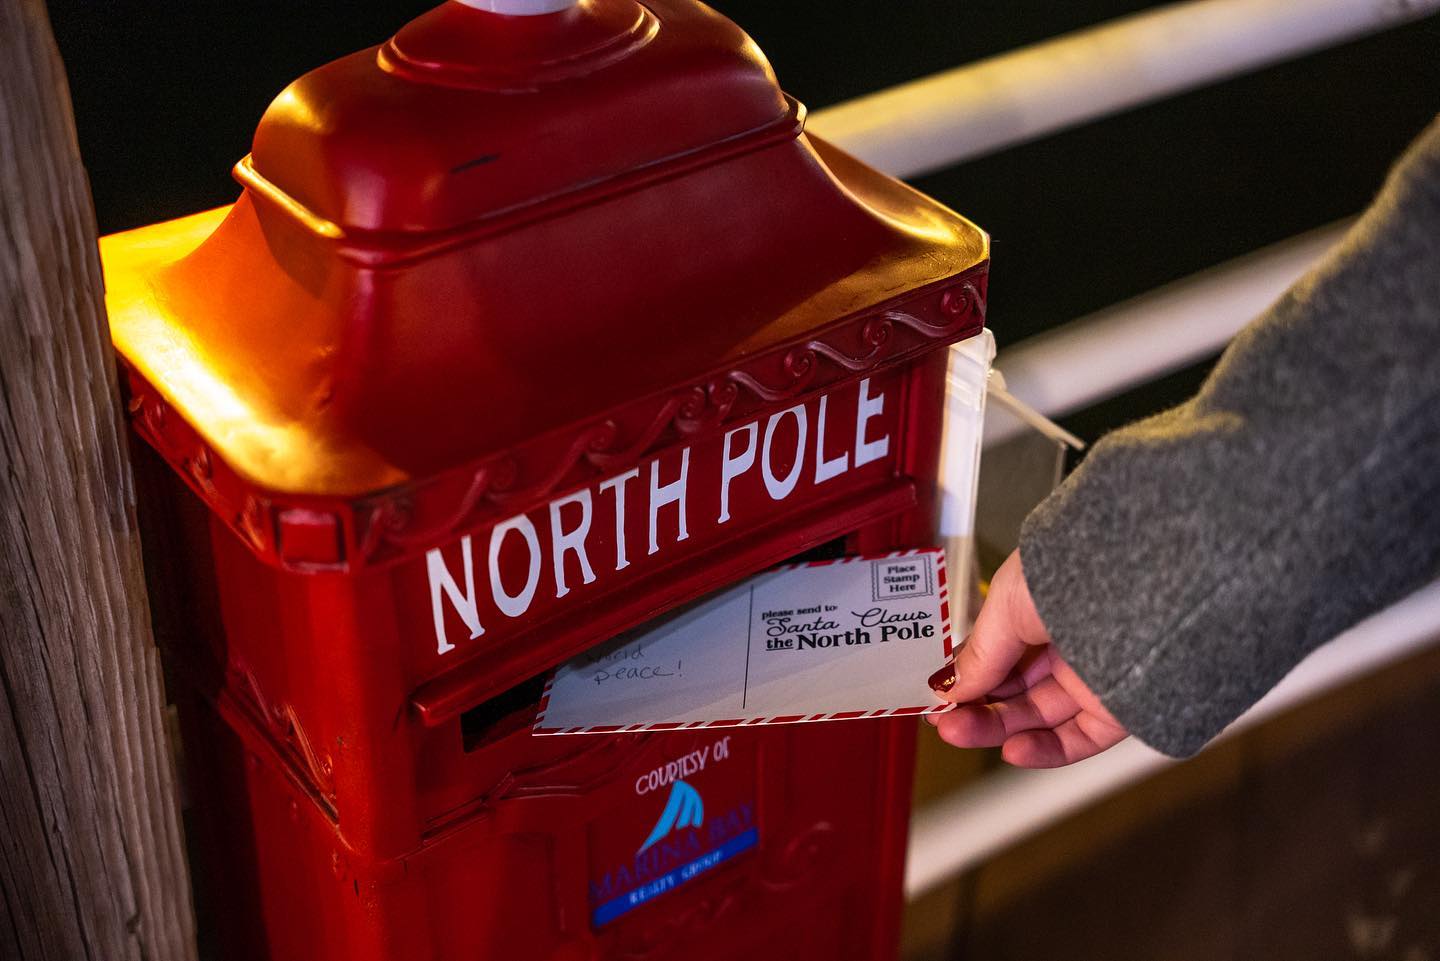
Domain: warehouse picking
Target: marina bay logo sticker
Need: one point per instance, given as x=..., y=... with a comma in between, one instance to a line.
x=685, y=841
x=684, y=809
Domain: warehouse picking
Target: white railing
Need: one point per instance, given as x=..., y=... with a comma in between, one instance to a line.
x=958, y=832
x=1112, y=350
x=1028, y=93
x=1020, y=96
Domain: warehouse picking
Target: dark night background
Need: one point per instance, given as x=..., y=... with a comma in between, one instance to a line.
x=166, y=98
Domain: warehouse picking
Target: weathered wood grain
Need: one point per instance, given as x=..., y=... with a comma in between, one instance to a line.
x=91, y=859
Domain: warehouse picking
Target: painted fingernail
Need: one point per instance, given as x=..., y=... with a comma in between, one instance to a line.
x=943, y=679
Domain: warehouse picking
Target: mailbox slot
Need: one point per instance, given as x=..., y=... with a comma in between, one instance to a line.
x=514, y=709
x=503, y=714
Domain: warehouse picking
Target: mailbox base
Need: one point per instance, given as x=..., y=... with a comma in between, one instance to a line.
x=799, y=853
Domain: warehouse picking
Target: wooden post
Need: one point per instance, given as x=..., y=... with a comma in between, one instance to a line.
x=92, y=864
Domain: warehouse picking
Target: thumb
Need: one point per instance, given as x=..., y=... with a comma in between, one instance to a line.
x=1006, y=628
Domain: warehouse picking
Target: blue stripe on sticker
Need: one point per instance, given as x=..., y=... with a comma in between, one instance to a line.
x=615, y=907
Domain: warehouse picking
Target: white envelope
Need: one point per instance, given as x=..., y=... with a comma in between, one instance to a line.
x=830, y=640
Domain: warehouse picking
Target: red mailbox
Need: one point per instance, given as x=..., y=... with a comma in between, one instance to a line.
x=523, y=331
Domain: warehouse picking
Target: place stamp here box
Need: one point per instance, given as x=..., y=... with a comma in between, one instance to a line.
x=823, y=641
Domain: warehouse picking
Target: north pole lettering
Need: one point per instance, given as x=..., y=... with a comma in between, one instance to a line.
x=637, y=517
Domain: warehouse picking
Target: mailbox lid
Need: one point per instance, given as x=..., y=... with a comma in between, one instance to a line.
x=289, y=362
x=465, y=114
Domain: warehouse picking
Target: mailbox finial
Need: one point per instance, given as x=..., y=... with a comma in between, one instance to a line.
x=520, y=8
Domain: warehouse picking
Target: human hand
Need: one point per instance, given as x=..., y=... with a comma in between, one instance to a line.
x=1013, y=689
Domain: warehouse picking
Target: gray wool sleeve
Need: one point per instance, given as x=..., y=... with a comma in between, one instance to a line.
x=1195, y=557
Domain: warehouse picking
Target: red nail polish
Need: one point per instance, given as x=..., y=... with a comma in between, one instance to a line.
x=943, y=679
